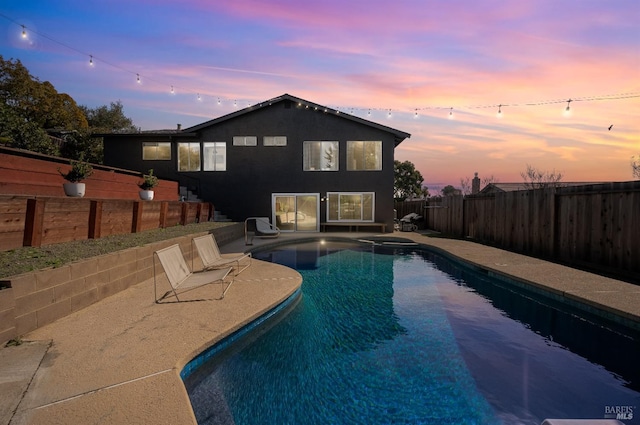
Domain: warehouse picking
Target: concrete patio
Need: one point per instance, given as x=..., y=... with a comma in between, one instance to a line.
x=119, y=360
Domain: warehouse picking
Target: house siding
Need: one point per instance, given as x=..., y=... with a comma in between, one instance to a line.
x=254, y=173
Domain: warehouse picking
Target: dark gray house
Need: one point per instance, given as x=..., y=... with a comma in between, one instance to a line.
x=298, y=163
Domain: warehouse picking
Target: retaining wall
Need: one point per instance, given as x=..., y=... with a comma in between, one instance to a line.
x=31, y=300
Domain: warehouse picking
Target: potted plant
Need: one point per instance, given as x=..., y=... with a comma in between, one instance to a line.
x=79, y=171
x=149, y=181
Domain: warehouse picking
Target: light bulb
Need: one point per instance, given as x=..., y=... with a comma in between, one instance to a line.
x=499, y=111
x=451, y=114
x=172, y=91
x=567, y=110
x=138, y=78
x=24, y=32
x=90, y=60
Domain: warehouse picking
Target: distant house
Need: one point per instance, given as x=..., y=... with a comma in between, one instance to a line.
x=289, y=159
x=493, y=188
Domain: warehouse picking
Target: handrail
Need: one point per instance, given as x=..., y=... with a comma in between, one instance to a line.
x=248, y=241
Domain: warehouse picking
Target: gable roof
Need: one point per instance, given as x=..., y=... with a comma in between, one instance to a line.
x=399, y=136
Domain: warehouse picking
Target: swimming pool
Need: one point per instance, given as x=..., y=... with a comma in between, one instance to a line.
x=401, y=335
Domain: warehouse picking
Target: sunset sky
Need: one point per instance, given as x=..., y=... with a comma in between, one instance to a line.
x=407, y=64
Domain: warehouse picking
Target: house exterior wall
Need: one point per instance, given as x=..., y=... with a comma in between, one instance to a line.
x=254, y=173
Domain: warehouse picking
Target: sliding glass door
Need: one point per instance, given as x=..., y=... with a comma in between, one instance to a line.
x=296, y=212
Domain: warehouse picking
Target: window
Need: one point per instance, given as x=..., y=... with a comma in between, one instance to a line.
x=215, y=156
x=350, y=206
x=156, y=150
x=274, y=140
x=364, y=155
x=245, y=141
x=320, y=156
x=188, y=156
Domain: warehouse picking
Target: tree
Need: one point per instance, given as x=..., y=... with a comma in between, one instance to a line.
x=407, y=181
x=635, y=166
x=467, y=187
x=108, y=119
x=37, y=102
x=18, y=133
x=449, y=190
x=537, y=179
x=103, y=119
x=31, y=108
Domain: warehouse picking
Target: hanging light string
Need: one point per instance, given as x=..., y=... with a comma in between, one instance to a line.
x=172, y=89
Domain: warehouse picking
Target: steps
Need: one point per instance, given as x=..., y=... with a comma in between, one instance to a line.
x=217, y=216
x=188, y=196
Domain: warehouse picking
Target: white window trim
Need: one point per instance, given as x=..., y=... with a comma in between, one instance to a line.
x=245, y=140
x=156, y=145
x=204, y=160
x=373, y=207
x=274, y=141
x=365, y=141
x=337, y=159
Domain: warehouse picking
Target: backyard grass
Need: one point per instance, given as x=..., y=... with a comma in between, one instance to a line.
x=26, y=259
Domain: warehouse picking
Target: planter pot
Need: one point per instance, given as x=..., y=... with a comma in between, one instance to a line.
x=146, y=195
x=75, y=190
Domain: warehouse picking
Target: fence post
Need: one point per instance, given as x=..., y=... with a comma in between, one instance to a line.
x=95, y=220
x=33, y=223
x=164, y=212
x=136, y=222
x=199, y=212
x=184, y=214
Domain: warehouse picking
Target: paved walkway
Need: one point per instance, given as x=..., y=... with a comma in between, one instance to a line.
x=118, y=361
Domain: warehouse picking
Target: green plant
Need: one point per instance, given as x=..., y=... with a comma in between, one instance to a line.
x=149, y=181
x=79, y=171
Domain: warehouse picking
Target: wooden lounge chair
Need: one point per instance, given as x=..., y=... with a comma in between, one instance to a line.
x=211, y=257
x=181, y=278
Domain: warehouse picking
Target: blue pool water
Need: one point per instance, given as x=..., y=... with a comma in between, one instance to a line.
x=385, y=335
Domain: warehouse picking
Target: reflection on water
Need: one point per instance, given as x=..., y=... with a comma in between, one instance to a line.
x=385, y=335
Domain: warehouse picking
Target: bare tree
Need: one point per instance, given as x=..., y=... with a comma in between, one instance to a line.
x=635, y=166
x=465, y=186
x=488, y=180
x=538, y=179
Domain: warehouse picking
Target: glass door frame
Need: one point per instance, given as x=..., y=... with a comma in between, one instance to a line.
x=275, y=213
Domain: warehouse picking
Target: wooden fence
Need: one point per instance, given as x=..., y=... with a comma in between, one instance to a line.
x=38, y=221
x=29, y=173
x=595, y=226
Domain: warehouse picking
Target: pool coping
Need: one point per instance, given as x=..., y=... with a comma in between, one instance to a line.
x=116, y=362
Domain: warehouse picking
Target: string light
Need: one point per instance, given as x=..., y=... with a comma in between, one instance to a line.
x=567, y=110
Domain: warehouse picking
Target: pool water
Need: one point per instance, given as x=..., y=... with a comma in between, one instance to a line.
x=388, y=335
